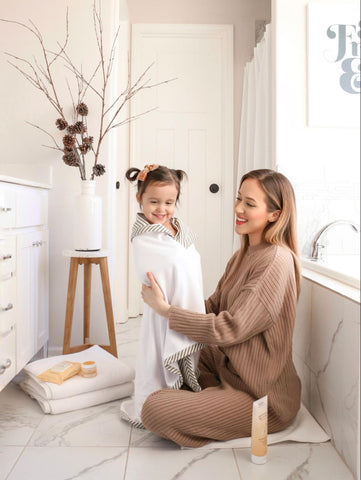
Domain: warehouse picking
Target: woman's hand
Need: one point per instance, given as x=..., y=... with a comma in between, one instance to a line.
x=154, y=297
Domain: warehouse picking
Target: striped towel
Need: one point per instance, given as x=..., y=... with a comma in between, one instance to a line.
x=166, y=359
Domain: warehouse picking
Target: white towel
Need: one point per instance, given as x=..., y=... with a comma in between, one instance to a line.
x=76, y=402
x=110, y=372
x=166, y=358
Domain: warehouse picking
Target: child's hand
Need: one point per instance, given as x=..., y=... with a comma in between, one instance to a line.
x=154, y=297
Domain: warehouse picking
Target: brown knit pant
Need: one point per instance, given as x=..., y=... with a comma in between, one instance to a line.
x=193, y=419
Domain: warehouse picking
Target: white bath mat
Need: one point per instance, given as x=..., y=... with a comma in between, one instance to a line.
x=304, y=429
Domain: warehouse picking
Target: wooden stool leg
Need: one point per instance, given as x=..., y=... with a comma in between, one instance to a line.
x=103, y=264
x=87, y=297
x=73, y=274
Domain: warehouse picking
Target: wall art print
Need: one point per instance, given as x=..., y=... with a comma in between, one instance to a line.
x=333, y=65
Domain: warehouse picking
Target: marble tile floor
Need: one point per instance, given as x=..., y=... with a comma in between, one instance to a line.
x=94, y=444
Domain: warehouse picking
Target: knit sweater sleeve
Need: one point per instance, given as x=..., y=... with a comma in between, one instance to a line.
x=250, y=310
x=212, y=302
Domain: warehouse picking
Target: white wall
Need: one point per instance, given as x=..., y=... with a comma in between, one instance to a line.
x=322, y=163
x=22, y=144
x=326, y=351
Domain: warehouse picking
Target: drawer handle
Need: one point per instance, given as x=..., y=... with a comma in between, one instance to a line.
x=6, y=365
x=9, y=307
x=5, y=334
x=7, y=276
x=5, y=209
x=37, y=244
x=7, y=256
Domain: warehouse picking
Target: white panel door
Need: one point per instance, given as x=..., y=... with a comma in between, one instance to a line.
x=191, y=129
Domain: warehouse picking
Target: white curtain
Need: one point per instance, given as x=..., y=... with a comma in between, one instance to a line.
x=255, y=139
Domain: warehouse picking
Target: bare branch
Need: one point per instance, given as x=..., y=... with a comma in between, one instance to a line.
x=47, y=133
x=88, y=84
x=129, y=96
x=133, y=117
x=112, y=53
x=115, y=102
x=38, y=85
x=40, y=74
x=143, y=75
x=62, y=48
x=36, y=30
x=21, y=25
x=19, y=59
x=71, y=95
x=53, y=148
x=70, y=66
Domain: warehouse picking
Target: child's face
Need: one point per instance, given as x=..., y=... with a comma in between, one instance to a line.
x=158, y=202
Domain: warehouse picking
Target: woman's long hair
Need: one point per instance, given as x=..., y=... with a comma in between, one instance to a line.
x=279, y=195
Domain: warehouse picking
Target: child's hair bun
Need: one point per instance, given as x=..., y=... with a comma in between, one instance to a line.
x=131, y=174
x=180, y=174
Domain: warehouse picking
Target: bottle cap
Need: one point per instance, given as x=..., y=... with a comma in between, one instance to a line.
x=259, y=460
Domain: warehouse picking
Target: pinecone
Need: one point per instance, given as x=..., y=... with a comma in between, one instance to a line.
x=70, y=159
x=98, y=170
x=78, y=127
x=61, y=124
x=68, y=141
x=82, y=109
x=84, y=148
x=88, y=140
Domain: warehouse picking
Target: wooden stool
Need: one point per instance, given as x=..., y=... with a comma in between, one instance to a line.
x=87, y=259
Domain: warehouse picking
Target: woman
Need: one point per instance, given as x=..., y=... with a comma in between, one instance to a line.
x=248, y=327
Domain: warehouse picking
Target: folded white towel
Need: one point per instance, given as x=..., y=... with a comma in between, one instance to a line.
x=111, y=372
x=76, y=402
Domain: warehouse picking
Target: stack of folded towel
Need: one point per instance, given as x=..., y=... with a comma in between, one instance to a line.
x=114, y=380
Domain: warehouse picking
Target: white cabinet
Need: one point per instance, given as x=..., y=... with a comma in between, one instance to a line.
x=32, y=285
x=24, y=277
x=7, y=356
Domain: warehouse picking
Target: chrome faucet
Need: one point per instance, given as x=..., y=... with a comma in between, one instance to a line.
x=317, y=246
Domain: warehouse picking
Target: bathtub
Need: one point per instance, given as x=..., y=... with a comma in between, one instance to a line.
x=342, y=268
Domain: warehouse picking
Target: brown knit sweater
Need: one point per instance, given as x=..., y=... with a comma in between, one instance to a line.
x=248, y=328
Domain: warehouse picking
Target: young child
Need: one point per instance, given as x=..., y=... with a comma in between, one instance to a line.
x=164, y=245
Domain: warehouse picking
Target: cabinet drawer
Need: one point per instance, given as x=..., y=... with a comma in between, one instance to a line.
x=7, y=257
x=7, y=357
x=7, y=304
x=31, y=207
x=7, y=206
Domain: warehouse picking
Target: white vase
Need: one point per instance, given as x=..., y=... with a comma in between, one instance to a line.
x=87, y=224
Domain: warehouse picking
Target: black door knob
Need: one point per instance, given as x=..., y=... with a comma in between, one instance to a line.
x=214, y=188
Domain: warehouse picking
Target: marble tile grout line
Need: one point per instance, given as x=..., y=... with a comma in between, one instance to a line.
x=24, y=448
x=128, y=452
x=237, y=466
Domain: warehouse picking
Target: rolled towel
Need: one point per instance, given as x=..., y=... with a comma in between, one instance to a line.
x=110, y=372
x=76, y=402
